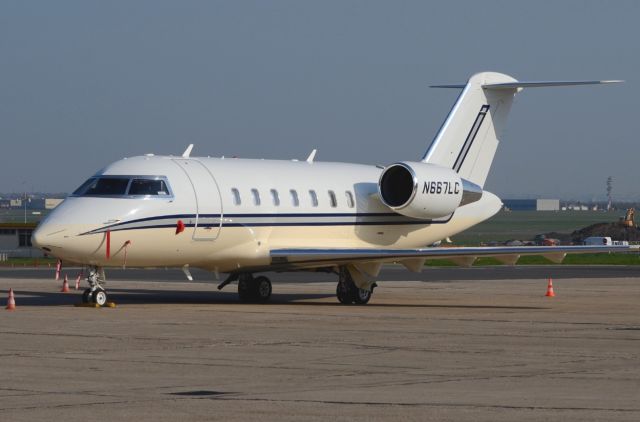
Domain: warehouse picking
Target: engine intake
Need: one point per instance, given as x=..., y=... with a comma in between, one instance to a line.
x=425, y=191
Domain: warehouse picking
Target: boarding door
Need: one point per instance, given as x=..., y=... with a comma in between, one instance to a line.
x=207, y=200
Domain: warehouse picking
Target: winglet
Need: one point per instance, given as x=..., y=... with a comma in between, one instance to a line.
x=312, y=156
x=187, y=152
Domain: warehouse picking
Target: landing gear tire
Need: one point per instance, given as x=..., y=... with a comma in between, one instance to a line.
x=100, y=297
x=344, y=294
x=244, y=289
x=262, y=289
x=96, y=292
x=86, y=296
x=347, y=292
x=362, y=296
x=254, y=289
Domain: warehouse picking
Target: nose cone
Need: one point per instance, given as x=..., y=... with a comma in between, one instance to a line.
x=37, y=238
x=47, y=236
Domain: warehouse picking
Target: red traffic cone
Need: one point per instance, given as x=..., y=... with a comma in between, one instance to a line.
x=65, y=285
x=11, y=301
x=550, y=289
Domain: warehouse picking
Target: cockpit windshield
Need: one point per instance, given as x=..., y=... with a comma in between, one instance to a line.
x=125, y=186
x=148, y=187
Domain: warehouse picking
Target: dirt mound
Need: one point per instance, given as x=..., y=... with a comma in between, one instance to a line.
x=562, y=237
x=613, y=230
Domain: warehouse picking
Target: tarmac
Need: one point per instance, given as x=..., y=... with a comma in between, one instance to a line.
x=477, y=350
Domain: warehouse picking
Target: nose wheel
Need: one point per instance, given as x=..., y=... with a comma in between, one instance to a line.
x=96, y=293
x=99, y=296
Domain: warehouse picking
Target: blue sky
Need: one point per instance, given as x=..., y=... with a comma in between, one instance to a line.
x=85, y=83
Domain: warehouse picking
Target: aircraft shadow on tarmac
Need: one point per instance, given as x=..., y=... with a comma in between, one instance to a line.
x=149, y=297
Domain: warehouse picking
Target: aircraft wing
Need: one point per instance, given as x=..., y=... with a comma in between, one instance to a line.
x=414, y=259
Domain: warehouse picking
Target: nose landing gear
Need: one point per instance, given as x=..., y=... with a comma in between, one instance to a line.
x=96, y=293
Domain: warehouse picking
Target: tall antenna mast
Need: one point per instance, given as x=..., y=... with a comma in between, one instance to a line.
x=609, y=189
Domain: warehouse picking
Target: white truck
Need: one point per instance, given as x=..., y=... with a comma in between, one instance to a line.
x=598, y=241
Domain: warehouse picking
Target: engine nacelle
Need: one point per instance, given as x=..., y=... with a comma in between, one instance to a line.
x=425, y=191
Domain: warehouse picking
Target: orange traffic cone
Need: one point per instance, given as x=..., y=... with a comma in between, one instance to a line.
x=78, y=281
x=11, y=302
x=550, y=289
x=65, y=285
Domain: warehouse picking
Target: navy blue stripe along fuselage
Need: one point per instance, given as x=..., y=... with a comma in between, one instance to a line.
x=270, y=220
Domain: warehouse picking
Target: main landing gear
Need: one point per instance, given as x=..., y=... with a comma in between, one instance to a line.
x=347, y=291
x=252, y=289
x=258, y=289
x=96, y=292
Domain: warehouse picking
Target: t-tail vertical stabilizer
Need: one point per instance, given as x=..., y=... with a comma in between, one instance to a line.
x=469, y=137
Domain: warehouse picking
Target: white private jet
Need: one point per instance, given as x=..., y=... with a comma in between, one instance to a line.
x=243, y=217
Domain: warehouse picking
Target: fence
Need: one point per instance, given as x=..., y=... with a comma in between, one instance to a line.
x=7, y=254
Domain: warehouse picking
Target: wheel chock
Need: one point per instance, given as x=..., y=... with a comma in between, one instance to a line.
x=95, y=305
x=86, y=305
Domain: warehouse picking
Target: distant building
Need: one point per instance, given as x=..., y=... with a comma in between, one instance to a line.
x=578, y=207
x=548, y=205
x=15, y=240
x=15, y=202
x=532, y=204
x=520, y=204
x=51, y=203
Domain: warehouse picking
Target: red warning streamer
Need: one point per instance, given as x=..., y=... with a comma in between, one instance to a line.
x=108, y=244
x=58, y=268
x=126, y=246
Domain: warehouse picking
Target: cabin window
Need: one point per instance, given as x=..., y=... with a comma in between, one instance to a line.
x=332, y=199
x=350, y=202
x=148, y=187
x=294, y=198
x=275, y=197
x=256, y=197
x=236, y=196
x=314, y=198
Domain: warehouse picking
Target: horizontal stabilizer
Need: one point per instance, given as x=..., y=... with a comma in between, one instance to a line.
x=532, y=84
x=448, y=86
x=540, y=84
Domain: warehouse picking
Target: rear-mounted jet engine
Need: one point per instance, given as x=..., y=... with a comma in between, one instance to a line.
x=425, y=191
